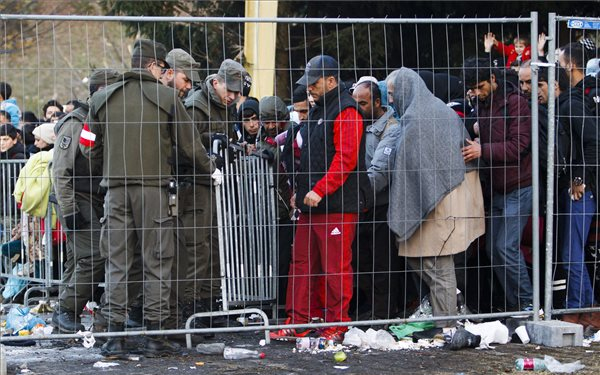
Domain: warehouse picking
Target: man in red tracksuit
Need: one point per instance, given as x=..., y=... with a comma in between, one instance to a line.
x=332, y=187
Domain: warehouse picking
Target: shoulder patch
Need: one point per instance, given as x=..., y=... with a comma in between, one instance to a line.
x=65, y=142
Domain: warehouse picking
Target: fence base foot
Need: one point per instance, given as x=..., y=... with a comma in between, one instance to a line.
x=555, y=333
x=188, y=323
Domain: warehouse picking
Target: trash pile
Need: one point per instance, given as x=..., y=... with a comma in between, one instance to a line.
x=23, y=321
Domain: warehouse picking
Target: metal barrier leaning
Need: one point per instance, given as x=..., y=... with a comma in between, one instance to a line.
x=571, y=264
x=245, y=203
x=32, y=262
x=247, y=244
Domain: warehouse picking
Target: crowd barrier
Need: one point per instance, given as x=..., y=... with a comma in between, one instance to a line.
x=32, y=247
x=247, y=202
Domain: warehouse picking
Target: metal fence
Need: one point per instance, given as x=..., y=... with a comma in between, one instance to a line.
x=570, y=267
x=248, y=238
x=32, y=249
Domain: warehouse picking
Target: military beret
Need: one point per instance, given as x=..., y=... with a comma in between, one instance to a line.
x=272, y=108
x=104, y=77
x=149, y=48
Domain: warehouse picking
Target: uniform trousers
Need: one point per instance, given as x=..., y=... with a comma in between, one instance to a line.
x=137, y=225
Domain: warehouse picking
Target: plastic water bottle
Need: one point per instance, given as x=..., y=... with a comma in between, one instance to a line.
x=530, y=364
x=239, y=353
x=214, y=348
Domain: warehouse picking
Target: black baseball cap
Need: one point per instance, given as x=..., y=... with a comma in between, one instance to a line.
x=318, y=67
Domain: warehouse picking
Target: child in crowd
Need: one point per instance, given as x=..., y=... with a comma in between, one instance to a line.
x=519, y=51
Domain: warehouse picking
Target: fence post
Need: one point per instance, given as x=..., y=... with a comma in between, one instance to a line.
x=550, y=167
x=535, y=217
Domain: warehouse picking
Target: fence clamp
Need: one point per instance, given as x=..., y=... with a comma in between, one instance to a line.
x=537, y=64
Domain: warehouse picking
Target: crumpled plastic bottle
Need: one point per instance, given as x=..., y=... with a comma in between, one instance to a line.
x=240, y=353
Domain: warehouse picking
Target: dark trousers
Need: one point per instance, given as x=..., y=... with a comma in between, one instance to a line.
x=84, y=268
x=378, y=264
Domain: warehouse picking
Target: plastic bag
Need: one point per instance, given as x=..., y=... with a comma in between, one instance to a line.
x=553, y=365
x=19, y=318
x=14, y=284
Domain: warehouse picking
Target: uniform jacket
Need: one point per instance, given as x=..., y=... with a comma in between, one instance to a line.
x=72, y=171
x=209, y=116
x=133, y=126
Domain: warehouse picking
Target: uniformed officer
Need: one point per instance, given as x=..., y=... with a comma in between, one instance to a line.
x=133, y=127
x=212, y=108
x=77, y=189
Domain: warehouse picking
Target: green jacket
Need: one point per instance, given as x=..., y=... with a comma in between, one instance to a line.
x=136, y=123
x=71, y=171
x=209, y=116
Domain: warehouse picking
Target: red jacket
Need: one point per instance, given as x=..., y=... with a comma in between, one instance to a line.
x=505, y=148
x=511, y=54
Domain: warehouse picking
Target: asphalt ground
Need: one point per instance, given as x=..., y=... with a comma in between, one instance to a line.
x=70, y=357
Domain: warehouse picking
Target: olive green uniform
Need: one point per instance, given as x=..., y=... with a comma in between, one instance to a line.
x=197, y=198
x=136, y=124
x=76, y=182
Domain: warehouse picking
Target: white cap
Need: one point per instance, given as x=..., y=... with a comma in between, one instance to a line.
x=364, y=79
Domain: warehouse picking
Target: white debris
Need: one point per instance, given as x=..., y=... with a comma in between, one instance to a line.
x=553, y=365
x=490, y=332
x=101, y=364
x=88, y=339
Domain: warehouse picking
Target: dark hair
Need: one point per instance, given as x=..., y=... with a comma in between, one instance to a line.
x=30, y=117
x=476, y=70
x=142, y=62
x=5, y=114
x=299, y=94
x=9, y=130
x=374, y=88
x=28, y=137
x=76, y=103
x=575, y=53
x=51, y=103
x=561, y=78
x=5, y=90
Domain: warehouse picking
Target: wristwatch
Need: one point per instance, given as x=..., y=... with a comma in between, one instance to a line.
x=578, y=181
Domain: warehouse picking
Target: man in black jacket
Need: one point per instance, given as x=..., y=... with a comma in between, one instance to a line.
x=576, y=189
x=329, y=193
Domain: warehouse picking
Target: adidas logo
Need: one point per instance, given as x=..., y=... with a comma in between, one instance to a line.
x=335, y=232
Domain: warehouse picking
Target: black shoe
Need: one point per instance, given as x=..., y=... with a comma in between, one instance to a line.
x=157, y=346
x=187, y=310
x=115, y=346
x=66, y=321
x=464, y=339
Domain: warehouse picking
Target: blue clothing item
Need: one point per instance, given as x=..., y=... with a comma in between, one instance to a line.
x=10, y=106
x=509, y=214
x=574, y=225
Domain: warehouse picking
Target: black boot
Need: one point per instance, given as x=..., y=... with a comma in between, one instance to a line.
x=187, y=309
x=157, y=346
x=115, y=346
x=66, y=321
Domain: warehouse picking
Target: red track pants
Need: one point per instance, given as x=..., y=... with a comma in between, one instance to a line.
x=320, y=282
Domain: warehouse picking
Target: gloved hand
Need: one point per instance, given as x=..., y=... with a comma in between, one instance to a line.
x=217, y=177
x=74, y=221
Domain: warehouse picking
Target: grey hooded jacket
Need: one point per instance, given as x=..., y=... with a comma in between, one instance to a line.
x=429, y=162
